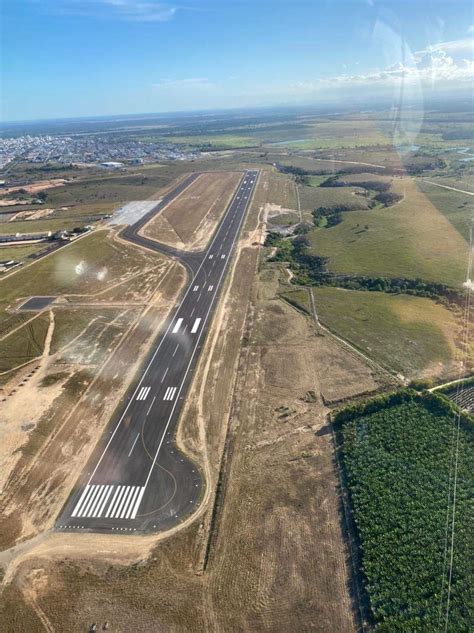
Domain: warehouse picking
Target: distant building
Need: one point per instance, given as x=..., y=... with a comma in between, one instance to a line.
x=111, y=165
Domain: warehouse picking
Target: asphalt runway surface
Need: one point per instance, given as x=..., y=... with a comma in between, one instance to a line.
x=137, y=481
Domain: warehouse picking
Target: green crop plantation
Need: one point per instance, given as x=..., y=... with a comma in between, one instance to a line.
x=397, y=455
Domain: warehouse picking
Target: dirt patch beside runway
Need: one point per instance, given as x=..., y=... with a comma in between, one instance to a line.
x=189, y=221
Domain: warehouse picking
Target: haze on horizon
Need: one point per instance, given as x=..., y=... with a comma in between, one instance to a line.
x=76, y=58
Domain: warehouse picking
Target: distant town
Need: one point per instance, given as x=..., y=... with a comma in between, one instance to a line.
x=87, y=149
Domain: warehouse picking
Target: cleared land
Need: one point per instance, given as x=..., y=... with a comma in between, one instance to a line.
x=413, y=336
x=189, y=221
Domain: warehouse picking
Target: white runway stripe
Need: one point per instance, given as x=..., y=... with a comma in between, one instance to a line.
x=195, y=326
x=104, y=500
x=177, y=326
x=90, y=501
x=137, y=503
x=131, y=505
x=123, y=501
x=196, y=288
x=127, y=503
x=211, y=256
x=210, y=288
x=143, y=393
x=98, y=500
x=81, y=499
x=115, y=500
x=223, y=256
x=170, y=393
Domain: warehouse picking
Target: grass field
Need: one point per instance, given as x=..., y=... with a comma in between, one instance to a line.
x=19, y=253
x=332, y=197
x=410, y=335
x=411, y=239
x=457, y=207
x=398, y=467
x=338, y=134
x=222, y=141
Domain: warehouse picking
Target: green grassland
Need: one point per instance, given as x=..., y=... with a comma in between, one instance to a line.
x=411, y=239
x=410, y=335
x=224, y=141
x=397, y=456
x=457, y=207
x=332, y=197
x=329, y=134
x=19, y=253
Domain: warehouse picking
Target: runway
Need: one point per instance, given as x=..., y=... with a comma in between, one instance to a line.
x=137, y=481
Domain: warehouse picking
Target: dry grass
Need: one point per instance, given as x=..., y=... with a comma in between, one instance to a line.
x=189, y=221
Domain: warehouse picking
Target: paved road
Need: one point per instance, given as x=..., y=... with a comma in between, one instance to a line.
x=137, y=480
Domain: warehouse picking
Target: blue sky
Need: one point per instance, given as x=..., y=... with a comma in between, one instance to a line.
x=64, y=58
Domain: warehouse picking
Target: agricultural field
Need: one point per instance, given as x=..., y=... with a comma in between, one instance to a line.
x=413, y=336
x=397, y=457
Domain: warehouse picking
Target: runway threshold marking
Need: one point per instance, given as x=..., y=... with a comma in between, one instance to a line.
x=176, y=326
x=195, y=326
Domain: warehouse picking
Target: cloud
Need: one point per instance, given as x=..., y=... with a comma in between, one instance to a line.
x=148, y=11
x=438, y=66
x=130, y=10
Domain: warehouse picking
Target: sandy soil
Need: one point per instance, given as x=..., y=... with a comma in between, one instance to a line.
x=39, y=185
x=31, y=215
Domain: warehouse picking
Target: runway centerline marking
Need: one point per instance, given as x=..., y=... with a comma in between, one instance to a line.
x=166, y=370
x=176, y=349
x=152, y=403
